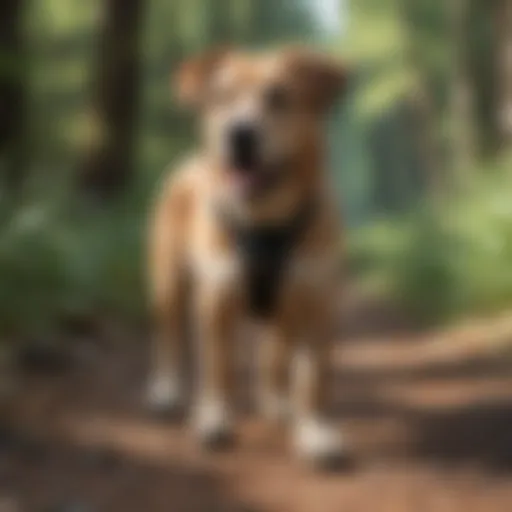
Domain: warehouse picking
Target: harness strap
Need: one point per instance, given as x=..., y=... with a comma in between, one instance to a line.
x=264, y=251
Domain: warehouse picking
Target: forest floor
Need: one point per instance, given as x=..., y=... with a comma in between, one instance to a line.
x=429, y=418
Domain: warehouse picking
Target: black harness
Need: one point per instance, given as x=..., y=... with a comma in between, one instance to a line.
x=264, y=251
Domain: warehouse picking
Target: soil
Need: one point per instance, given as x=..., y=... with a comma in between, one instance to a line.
x=429, y=420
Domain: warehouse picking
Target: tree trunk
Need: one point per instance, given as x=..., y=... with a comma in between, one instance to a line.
x=427, y=144
x=109, y=160
x=220, y=22
x=464, y=137
x=503, y=32
x=422, y=107
x=12, y=95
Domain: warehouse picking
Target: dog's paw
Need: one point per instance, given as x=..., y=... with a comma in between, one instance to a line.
x=164, y=396
x=319, y=443
x=213, y=426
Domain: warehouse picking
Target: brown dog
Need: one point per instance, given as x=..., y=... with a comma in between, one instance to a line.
x=249, y=219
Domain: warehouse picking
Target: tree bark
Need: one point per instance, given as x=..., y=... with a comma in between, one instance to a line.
x=503, y=17
x=464, y=136
x=427, y=143
x=422, y=107
x=13, y=96
x=109, y=160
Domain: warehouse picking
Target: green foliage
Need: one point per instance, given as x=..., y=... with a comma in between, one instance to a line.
x=56, y=261
x=31, y=273
x=445, y=261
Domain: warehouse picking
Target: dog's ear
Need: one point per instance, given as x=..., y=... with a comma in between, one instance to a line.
x=322, y=78
x=192, y=79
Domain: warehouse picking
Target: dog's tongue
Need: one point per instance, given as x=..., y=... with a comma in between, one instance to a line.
x=246, y=183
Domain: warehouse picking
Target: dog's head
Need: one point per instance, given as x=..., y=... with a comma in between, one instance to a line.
x=261, y=113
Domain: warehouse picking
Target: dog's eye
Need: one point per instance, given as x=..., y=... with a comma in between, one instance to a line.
x=277, y=99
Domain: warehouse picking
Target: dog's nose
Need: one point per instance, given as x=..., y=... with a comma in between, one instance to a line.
x=243, y=143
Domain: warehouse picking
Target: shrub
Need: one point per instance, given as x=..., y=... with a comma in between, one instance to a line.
x=57, y=260
x=443, y=262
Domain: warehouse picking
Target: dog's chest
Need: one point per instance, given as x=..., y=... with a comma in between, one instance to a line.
x=265, y=257
x=263, y=275
x=263, y=265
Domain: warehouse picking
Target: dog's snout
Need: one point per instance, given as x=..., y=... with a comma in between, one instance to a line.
x=243, y=143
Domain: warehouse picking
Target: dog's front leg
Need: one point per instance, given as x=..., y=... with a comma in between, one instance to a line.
x=217, y=306
x=316, y=436
x=276, y=351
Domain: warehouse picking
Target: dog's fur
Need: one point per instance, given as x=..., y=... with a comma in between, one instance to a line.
x=189, y=238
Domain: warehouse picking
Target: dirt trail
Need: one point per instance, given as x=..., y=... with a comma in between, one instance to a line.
x=431, y=426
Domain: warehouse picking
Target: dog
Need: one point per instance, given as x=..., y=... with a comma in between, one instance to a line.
x=249, y=221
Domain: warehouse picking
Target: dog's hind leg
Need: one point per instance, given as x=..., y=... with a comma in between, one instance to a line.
x=167, y=290
x=165, y=387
